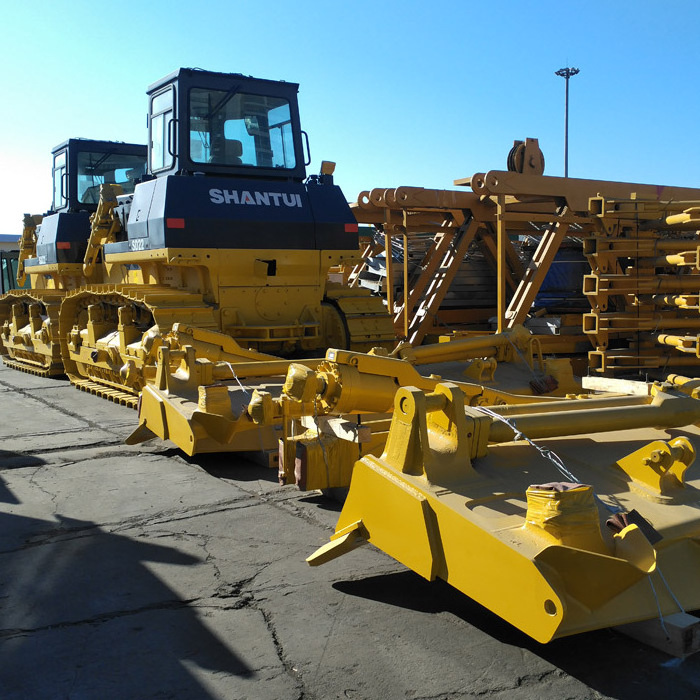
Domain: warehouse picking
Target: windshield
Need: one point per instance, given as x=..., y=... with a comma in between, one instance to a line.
x=96, y=168
x=236, y=128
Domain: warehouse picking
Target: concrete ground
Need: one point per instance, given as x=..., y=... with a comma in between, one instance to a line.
x=134, y=572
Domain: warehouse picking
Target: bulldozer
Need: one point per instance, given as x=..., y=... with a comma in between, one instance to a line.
x=225, y=234
x=53, y=246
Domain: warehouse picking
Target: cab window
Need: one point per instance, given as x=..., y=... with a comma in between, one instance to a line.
x=239, y=129
x=96, y=168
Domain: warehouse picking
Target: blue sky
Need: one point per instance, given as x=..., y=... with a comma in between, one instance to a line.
x=397, y=93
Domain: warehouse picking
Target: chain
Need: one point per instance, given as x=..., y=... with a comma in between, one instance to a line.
x=522, y=357
x=658, y=608
x=668, y=588
x=235, y=376
x=263, y=451
x=548, y=454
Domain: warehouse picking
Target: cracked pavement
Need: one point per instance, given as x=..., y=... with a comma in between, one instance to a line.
x=135, y=572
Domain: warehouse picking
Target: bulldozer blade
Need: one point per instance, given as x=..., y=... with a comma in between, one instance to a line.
x=492, y=523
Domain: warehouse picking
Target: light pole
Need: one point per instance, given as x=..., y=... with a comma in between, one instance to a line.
x=566, y=73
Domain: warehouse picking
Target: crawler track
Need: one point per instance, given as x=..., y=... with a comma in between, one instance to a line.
x=121, y=397
x=110, y=333
x=28, y=331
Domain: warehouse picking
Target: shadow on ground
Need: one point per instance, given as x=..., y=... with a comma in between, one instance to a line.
x=82, y=615
x=14, y=460
x=325, y=501
x=17, y=460
x=6, y=496
x=606, y=661
x=229, y=465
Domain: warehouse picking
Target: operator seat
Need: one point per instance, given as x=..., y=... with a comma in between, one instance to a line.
x=229, y=154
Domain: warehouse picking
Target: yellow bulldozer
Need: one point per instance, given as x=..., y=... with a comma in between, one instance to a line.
x=225, y=232
x=53, y=246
